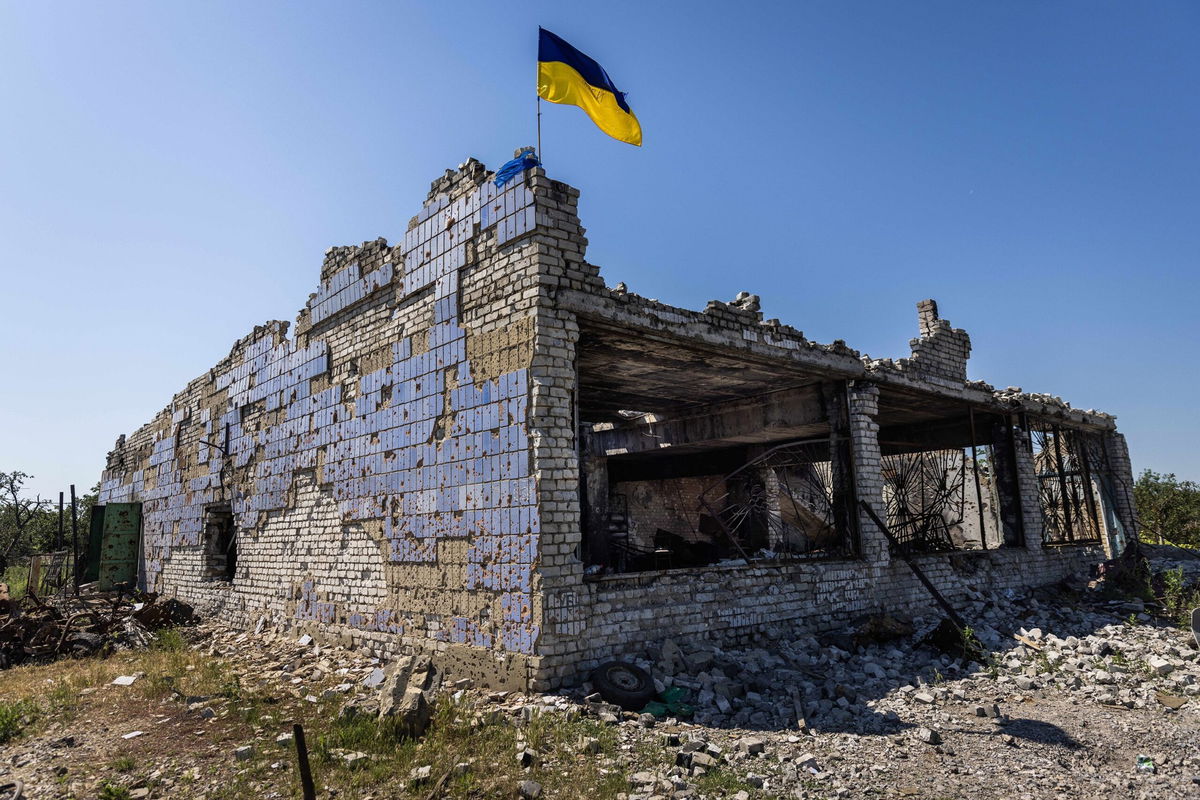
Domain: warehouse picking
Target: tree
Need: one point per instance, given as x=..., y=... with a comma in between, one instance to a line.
x=17, y=513
x=1168, y=508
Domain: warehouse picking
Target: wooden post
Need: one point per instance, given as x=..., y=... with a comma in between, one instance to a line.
x=74, y=542
x=58, y=542
x=306, y=781
x=33, y=582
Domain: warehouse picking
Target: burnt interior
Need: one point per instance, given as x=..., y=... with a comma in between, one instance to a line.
x=693, y=457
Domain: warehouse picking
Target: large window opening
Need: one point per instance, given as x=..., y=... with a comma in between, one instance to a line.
x=1074, y=484
x=726, y=507
x=950, y=484
x=720, y=485
x=795, y=500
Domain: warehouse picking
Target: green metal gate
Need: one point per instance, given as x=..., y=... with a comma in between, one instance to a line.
x=121, y=544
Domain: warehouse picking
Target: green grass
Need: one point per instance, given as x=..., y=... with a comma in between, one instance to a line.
x=457, y=734
x=123, y=764
x=16, y=576
x=15, y=717
x=720, y=781
x=113, y=791
x=170, y=640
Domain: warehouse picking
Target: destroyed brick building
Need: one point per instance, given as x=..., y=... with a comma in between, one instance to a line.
x=469, y=445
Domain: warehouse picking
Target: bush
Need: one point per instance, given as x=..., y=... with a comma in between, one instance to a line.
x=1179, y=598
x=169, y=640
x=1168, y=509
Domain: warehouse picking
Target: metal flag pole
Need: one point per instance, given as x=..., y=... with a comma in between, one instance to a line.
x=539, y=129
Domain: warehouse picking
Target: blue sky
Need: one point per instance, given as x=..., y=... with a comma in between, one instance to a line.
x=171, y=174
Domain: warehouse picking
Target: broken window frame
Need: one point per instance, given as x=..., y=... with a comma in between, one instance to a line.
x=836, y=485
x=836, y=489
x=601, y=546
x=1070, y=493
x=927, y=528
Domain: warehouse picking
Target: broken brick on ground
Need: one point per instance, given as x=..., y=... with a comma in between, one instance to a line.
x=1071, y=713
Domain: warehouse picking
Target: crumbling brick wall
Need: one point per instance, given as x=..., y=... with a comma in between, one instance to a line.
x=940, y=352
x=379, y=463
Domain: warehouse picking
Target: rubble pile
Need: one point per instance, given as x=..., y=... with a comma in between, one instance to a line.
x=35, y=628
x=1064, y=692
x=846, y=682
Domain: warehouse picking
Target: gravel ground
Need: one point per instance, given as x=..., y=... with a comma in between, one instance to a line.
x=1071, y=691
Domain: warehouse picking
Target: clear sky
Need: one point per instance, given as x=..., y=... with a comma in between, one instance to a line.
x=171, y=174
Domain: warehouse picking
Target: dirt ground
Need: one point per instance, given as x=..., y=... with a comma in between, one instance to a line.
x=1046, y=717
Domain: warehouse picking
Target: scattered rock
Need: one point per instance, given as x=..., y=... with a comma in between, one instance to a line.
x=1160, y=666
x=529, y=790
x=752, y=746
x=408, y=692
x=928, y=735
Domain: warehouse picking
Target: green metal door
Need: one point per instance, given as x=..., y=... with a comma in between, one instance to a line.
x=120, y=546
x=91, y=559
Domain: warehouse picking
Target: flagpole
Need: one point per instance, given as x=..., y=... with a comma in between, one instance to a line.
x=539, y=129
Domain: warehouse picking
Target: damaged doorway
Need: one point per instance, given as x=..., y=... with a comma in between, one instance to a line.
x=220, y=542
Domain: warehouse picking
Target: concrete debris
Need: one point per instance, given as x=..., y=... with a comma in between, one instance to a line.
x=374, y=679
x=928, y=735
x=408, y=693
x=1072, y=737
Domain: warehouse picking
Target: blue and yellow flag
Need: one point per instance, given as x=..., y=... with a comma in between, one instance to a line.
x=567, y=76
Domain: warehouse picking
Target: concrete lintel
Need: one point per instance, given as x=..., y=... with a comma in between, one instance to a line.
x=770, y=417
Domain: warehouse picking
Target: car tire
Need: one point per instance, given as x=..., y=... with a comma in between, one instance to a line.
x=624, y=684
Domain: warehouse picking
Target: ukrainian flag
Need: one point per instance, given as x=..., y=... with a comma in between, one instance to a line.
x=567, y=76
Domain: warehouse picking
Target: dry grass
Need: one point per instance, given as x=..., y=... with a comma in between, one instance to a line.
x=75, y=697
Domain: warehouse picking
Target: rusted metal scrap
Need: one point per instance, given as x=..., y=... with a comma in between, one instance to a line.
x=43, y=629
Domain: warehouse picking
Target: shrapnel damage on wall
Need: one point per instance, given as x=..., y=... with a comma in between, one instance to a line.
x=470, y=446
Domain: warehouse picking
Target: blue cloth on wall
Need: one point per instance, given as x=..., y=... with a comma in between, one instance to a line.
x=524, y=160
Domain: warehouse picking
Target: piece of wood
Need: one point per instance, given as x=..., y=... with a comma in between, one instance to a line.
x=306, y=779
x=1027, y=641
x=439, y=786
